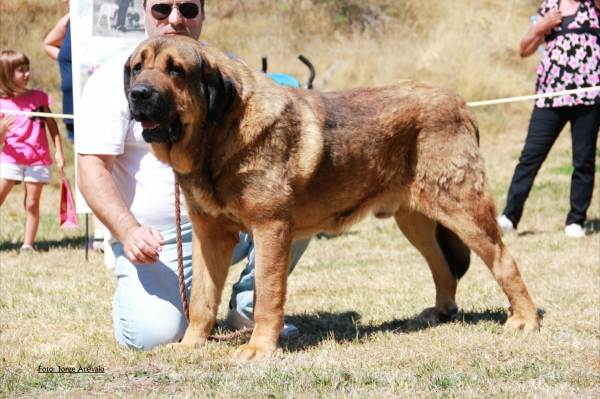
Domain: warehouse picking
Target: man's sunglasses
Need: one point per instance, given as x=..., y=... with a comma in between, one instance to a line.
x=163, y=10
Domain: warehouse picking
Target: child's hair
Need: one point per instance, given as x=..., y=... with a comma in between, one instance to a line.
x=9, y=61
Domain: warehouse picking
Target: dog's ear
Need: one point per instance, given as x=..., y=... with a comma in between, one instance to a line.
x=221, y=93
x=127, y=76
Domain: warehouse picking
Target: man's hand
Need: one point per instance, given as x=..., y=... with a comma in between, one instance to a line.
x=143, y=244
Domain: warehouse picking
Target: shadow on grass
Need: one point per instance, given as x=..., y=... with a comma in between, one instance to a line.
x=47, y=245
x=526, y=233
x=324, y=236
x=346, y=326
x=592, y=226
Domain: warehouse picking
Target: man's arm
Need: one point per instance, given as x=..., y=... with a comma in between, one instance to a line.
x=141, y=244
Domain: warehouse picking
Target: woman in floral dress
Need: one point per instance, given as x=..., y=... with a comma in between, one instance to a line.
x=571, y=31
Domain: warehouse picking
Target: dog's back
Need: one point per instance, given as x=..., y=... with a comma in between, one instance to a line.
x=381, y=145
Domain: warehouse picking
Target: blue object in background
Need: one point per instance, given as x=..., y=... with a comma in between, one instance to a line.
x=284, y=79
x=541, y=48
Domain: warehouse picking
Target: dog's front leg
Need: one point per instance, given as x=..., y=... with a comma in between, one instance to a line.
x=272, y=246
x=212, y=250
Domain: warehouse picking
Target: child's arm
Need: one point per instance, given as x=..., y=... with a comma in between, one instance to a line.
x=53, y=128
x=6, y=124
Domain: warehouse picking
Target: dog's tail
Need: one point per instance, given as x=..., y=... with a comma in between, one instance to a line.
x=474, y=124
x=457, y=254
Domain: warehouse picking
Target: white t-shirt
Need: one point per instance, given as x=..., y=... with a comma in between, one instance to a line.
x=104, y=127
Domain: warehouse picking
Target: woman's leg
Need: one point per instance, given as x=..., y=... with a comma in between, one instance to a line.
x=33, y=193
x=544, y=128
x=585, y=122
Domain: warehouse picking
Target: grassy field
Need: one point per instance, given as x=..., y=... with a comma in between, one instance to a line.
x=355, y=298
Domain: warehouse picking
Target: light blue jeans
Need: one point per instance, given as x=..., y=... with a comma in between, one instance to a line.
x=147, y=308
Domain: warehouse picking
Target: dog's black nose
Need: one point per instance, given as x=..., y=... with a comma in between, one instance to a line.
x=140, y=92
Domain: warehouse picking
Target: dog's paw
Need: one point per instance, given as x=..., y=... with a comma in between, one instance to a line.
x=517, y=322
x=249, y=352
x=443, y=314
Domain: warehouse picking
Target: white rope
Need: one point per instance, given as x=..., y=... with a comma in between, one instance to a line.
x=472, y=104
x=40, y=114
x=532, y=97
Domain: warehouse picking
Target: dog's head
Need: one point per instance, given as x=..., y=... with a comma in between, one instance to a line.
x=172, y=88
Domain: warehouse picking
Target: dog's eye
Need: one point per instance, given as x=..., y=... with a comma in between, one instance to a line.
x=137, y=68
x=174, y=72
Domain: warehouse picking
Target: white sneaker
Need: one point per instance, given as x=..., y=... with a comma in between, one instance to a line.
x=506, y=225
x=574, y=231
x=97, y=244
x=26, y=249
x=109, y=255
x=236, y=321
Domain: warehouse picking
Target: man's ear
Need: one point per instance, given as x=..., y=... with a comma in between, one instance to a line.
x=221, y=93
x=127, y=76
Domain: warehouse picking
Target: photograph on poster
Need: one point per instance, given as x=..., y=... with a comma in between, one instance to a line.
x=99, y=37
x=118, y=18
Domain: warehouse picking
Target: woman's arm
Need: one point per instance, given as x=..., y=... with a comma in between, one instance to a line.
x=53, y=128
x=535, y=35
x=55, y=38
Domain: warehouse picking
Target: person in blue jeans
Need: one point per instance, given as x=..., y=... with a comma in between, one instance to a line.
x=133, y=194
x=147, y=308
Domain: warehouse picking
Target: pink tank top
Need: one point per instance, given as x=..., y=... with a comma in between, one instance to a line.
x=27, y=142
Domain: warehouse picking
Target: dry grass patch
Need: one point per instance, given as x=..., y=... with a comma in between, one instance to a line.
x=354, y=298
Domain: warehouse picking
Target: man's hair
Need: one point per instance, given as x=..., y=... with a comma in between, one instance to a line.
x=9, y=61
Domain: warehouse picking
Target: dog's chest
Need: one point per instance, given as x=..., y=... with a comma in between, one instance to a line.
x=202, y=199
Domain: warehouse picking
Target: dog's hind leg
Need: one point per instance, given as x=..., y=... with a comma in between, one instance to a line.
x=475, y=224
x=447, y=257
x=212, y=250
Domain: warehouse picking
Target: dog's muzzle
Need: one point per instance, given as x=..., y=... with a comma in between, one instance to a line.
x=159, y=123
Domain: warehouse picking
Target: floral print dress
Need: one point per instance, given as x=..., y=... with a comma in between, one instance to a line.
x=571, y=59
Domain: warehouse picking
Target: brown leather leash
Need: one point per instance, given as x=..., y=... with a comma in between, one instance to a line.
x=182, y=290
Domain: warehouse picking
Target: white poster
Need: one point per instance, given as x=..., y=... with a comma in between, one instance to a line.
x=100, y=29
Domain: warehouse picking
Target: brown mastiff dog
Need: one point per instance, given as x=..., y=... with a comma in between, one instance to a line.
x=282, y=164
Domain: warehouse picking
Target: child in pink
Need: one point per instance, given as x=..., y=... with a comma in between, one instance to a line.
x=25, y=154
